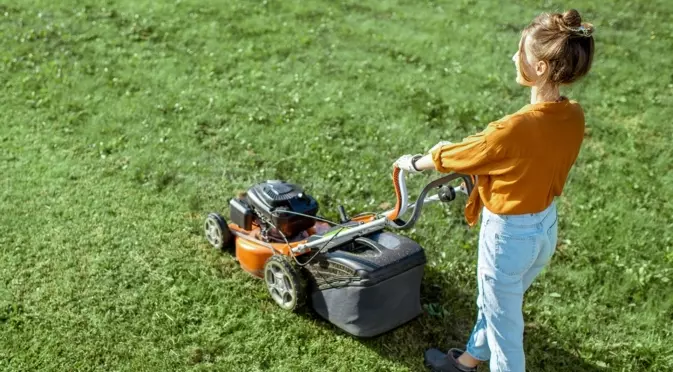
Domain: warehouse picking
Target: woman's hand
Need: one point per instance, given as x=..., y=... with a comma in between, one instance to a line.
x=419, y=163
x=415, y=163
x=406, y=163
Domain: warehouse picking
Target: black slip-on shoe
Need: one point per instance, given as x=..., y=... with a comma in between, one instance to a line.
x=441, y=362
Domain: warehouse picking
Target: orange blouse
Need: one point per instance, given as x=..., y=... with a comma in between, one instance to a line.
x=521, y=162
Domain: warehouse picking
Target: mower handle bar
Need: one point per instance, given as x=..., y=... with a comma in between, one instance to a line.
x=398, y=223
x=391, y=218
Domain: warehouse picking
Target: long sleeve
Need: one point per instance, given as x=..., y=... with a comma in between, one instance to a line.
x=519, y=163
x=477, y=154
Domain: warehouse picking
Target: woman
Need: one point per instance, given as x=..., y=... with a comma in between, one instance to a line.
x=520, y=164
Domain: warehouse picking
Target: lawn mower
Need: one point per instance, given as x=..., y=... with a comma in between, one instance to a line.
x=355, y=273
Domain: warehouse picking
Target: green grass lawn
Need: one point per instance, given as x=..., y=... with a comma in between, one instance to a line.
x=125, y=122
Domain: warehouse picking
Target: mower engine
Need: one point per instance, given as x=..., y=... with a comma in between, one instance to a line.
x=281, y=209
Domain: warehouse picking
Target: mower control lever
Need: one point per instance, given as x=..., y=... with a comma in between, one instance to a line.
x=342, y=214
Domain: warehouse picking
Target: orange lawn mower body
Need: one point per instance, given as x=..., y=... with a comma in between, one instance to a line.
x=252, y=251
x=354, y=273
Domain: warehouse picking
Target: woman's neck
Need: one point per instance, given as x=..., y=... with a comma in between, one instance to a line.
x=545, y=93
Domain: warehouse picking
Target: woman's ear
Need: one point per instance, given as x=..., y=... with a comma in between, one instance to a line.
x=541, y=68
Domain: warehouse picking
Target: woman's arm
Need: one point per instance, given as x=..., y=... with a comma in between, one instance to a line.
x=481, y=153
x=424, y=163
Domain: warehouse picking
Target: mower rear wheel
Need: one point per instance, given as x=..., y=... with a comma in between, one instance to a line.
x=285, y=282
x=217, y=232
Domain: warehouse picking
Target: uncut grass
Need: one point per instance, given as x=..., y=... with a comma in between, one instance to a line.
x=126, y=122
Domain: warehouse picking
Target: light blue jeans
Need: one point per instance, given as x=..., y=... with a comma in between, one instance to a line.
x=513, y=250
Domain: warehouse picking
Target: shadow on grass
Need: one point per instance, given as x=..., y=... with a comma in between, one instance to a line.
x=447, y=321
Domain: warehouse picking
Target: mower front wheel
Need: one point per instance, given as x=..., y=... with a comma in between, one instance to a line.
x=217, y=232
x=286, y=284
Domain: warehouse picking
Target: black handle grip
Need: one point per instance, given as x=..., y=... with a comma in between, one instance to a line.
x=342, y=214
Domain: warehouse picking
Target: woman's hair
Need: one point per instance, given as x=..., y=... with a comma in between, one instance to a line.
x=564, y=42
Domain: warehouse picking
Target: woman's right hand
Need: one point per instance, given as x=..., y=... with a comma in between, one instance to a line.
x=406, y=163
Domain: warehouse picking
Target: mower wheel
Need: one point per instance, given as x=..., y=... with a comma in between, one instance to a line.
x=217, y=231
x=285, y=282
